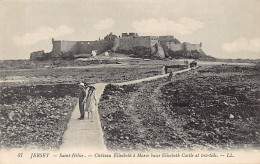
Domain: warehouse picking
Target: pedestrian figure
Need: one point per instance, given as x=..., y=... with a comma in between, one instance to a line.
x=187, y=63
x=90, y=101
x=164, y=70
x=193, y=64
x=170, y=76
x=82, y=95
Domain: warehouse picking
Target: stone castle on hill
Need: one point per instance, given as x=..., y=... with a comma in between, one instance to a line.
x=128, y=43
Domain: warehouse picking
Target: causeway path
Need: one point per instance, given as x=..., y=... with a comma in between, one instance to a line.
x=84, y=134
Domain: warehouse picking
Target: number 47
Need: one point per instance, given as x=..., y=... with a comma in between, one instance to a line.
x=20, y=155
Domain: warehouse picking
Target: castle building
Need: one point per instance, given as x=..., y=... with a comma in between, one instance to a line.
x=155, y=44
x=61, y=47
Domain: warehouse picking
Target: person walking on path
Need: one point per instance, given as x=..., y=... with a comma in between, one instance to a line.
x=170, y=76
x=82, y=96
x=90, y=101
x=164, y=70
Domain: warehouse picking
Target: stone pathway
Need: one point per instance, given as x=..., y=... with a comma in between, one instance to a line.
x=89, y=135
x=84, y=133
x=150, y=78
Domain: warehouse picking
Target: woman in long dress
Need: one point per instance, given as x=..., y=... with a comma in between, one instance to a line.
x=90, y=102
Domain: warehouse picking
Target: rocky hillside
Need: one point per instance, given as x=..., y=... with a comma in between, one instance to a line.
x=197, y=54
x=142, y=52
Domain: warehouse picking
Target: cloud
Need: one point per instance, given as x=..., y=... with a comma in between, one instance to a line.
x=164, y=26
x=42, y=33
x=104, y=24
x=242, y=44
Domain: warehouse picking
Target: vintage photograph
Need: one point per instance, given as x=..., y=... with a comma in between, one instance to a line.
x=108, y=80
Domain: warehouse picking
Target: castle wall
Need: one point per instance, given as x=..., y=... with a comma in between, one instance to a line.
x=167, y=38
x=79, y=47
x=184, y=46
x=56, y=48
x=69, y=47
x=154, y=41
x=130, y=42
x=36, y=55
x=174, y=47
x=116, y=44
x=142, y=41
x=164, y=39
x=110, y=37
x=191, y=47
x=86, y=47
x=127, y=42
x=133, y=34
x=124, y=35
x=160, y=52
x=130, y=34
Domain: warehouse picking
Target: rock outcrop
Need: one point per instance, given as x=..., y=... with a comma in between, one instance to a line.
x=38, y=55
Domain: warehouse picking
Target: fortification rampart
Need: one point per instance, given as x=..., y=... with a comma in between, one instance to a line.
x=69, y=47
x=184, y=46
x=174, y=47
x=37, y=55
x=191, y=47
x=79, y=47
x=131, y=42
x=56, y=48
x=86, y=47
x=130, y=34
x=167, y=38
x=61, y=47
x=126, y=42
x=154, y=43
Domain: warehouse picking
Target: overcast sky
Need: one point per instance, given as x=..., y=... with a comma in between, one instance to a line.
x=226, y=28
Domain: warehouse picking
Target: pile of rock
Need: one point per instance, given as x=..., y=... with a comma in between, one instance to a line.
x=37, y=55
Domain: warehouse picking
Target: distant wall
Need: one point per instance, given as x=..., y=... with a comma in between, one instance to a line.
x=174, y=47
x=110, y=37
x=86, y=47
x=167, y=38
x=69, y=47
x=130, y=42
x=37, y=55
x=130, y=34
x=63, y=47
x=79, y=47
x=127, y=42
x=124, y=35
x=164, y=39
x=154, y=41
x=56, y=48
x=116, y=44
x=191, y=47
x=160, y=51
x=184, y=46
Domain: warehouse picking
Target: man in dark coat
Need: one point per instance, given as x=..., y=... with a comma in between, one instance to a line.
x=82, y=95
